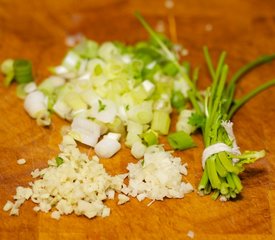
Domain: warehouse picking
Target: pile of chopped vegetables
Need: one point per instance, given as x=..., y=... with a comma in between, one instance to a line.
x=112, y=92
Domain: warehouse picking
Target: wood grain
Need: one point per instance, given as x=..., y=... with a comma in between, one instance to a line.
x=36, y=30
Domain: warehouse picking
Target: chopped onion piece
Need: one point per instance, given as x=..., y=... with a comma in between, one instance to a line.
x=62, y=109
x=115, y=136
x=35, y=102
x=138, y=150
x=85, y=131
x=107, y=147
x=104, y=111
x=30, y=87
x=107, y=51
x=182, y=123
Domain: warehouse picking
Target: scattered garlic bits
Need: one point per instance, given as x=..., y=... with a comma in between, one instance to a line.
x=157, y=176
x=21, y=161
x=79, y=185
x=190, y=234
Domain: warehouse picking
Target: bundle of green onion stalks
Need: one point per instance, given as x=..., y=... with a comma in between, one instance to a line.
x=222, y=160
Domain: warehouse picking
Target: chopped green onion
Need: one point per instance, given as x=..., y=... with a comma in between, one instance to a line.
x=59, y=161
x=71, y=61
x=150, y=137
x=20, y=91
x=98, y=70
x=178, y=101
x=23, y=71
x=181, y=140
x=87, y=49
x=170, y=69
x=117, y=126
x=101, y=106
x=8, y=69
x=186, y=66
x=74, y=100
x=161, y=122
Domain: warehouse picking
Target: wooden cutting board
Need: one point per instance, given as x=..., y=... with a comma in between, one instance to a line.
x=36, y=30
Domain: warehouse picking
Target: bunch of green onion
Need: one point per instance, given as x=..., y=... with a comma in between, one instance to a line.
x=222, y=159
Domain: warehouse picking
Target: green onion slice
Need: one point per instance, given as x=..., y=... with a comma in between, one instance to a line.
x=181, y=140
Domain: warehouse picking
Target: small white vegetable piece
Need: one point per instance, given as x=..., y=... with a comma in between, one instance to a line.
x=30, y=87
x=108, y=51
x=23, y=193
x=122, y=199
x=182, y=123
x=104, y=111
x=85, y=131
x=106, y=212
x=21, y=161
x=223, y=199
x=72, y=40
x=36, y=106
x=8, y=206
x=138, y=150
x=35, y=102
x=134, y=130
x=108, y=146
x=141, y=196
x=62, y=109
x=35, y=173
x=55, y=215
x=190, y=234
x=51, y=83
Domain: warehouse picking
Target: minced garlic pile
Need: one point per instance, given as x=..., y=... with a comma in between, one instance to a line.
x=81, y=185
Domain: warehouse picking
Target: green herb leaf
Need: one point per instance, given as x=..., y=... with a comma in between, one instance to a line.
x=178, y=101
x=197, y=120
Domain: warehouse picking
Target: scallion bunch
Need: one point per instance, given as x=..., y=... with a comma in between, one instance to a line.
x=222, y=160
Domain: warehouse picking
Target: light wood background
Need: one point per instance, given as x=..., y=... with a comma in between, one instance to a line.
x=36, y=30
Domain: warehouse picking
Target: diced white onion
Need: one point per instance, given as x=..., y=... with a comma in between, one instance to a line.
x=62, y=109
x=107, y=51
x=107, y=147
x=30, y=87
x=115, y=136
x=105, y=115
x=148, y=85
x=35, y=102
x=138, y=150
x=85, y=131
x=182, y=123
x=122, y=199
